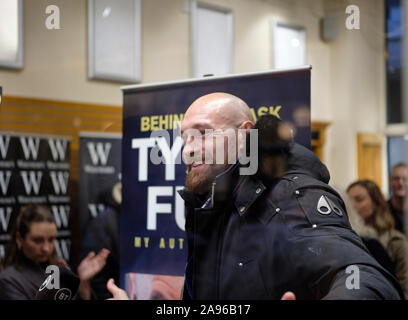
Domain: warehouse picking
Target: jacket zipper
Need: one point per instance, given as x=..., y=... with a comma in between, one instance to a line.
x=218, y=266
x=193, y=284
x=212, y=194
x=220, y=246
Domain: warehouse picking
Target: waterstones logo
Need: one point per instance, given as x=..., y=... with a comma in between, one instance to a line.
x=99, y=152
x=61, y=215
x=5, y=215
x=62, y=247
x=95, y=209
x=30, y=147
x=31, y=181
x=58, y=149
x=4, y=144
x=5, y=181
x=60, y=181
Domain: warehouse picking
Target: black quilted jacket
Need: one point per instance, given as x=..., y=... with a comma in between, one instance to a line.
x=257, y=241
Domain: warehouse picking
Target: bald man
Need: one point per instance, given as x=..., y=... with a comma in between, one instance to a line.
x=280, y=233
x=266, y=236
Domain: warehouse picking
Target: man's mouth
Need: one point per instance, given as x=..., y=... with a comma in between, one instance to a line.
x=198, y=166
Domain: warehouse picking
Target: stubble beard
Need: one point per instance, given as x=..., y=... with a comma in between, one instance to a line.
x=199, y=181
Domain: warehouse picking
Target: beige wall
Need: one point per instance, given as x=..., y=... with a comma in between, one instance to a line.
x=55, y=61
x=348, y=77
x=357, y=84
x=59, y=57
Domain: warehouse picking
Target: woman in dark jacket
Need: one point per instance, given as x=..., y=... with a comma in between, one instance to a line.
x=32, y=249
x=370, y=204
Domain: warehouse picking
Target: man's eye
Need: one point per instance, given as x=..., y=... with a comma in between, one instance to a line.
x=208, y=133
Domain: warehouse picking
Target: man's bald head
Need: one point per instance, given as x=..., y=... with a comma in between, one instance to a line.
x=226, y=107
x=219, y=113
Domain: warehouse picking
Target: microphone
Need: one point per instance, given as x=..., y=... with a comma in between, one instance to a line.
x=64, y=287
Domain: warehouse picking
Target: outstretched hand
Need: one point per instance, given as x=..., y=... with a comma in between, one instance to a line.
x=288, y=296
x=92, y=264
x=118, y=293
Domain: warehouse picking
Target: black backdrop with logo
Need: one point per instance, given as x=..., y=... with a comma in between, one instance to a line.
x=100, y=169
x=35, y=169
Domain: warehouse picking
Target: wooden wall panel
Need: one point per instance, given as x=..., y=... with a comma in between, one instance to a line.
x=48, y=117
x=369, y=155
x=318, y=129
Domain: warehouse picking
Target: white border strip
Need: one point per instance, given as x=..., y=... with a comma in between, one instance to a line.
x=139, y=87
x=90, y=134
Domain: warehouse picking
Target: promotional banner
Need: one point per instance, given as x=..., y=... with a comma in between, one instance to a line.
x=35, y=170
x=100, y=170
x=152, y=237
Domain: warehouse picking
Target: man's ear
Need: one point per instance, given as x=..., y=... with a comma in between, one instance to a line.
x=247, y=125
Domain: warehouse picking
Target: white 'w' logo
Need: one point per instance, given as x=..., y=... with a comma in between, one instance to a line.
x=99, y=152
x=59, y=181
x=32, y=181
x=58, y=149
x=4, y=146
x=30, y=147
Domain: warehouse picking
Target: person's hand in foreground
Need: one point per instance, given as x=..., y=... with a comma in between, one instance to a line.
x=117, y=293
x=288, y=296
x=90, y=266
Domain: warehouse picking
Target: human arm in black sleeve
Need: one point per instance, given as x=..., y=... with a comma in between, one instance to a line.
x=361, y=282
x=324, y=247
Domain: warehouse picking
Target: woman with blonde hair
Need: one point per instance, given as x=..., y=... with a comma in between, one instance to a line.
x=367, y=233
x=370, y=204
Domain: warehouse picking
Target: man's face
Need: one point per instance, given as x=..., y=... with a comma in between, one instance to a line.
x=398, y=181
x=201, y=145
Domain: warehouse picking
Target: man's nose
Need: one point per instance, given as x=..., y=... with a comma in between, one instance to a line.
x=188, y=150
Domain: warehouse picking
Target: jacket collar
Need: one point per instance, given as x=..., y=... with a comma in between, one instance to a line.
x=244, y=190
x=247, y=192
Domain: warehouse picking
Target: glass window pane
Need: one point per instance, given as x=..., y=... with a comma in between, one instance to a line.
x=394, y=38
x=9, y=30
